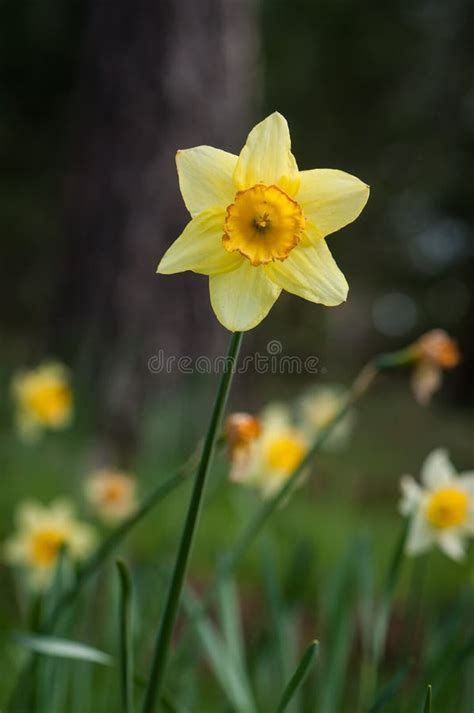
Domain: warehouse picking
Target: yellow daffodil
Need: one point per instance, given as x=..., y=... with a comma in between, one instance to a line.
x=43, y=398
x=41, y=533
x=112, y=494
x=442, y=511
x=433, y=353
x=319, y=407
x=259, y=225
x=273, y=456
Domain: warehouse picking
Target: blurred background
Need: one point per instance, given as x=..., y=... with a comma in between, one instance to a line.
x=96, y=99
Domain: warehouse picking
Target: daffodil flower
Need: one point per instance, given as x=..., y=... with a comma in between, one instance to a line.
x=442, y=511
x=43, y=398
x=111, y=494
x=259, y=225
x=41, y=533
x=271, y=458
x=319, y=407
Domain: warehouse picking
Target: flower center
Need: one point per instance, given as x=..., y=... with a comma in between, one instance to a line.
x=114, y=491
x=263, y=224
x=285, y=453
x=45, y=546
x=447, y=507
x=50, y=402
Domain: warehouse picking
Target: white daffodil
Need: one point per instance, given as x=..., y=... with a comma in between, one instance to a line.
x=274, y=455
x=441, y=509
x=112, y=494
x=319, y=407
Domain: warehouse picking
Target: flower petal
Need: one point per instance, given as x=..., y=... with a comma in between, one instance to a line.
x=267, y=158
x=437, y=470
x=310, y=271
x=205, y=178
x=199, y=247
x=420, y=536
x=331, y=199
x=243, y=297
x=411, y=495
x=452, y=545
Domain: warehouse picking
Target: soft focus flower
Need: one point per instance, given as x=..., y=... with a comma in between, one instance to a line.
x=441, y=510
x=41, y=533
x=274, y=455
x=112, y=494
x=319, y=407
x=241, y=430
x=433, y=352
x=43, y=398
x=258, y=225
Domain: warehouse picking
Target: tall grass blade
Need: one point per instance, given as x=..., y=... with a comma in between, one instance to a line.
x=63, y=648
x=126, y=640
x=299, y=676
x=427, y=704
x=390, y=690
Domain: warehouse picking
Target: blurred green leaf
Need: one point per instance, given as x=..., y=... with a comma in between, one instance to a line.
x=63, y=648
x=126, y=643
x=228, y=671
x=390, y=690
x=427, y=704
x=299, y=676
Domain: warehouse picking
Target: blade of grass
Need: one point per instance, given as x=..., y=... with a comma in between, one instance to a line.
x=63, y=648
x=390, y=690
x=230, y=620
x=427, y=704
x=126, y=643
x=231, y=676
x=170, y=612
x=299, y=676
x=391, y=581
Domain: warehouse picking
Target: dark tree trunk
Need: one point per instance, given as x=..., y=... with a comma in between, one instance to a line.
x=157, y=75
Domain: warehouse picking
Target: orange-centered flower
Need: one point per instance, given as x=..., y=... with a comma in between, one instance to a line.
x=447, y=507
x=259, y=225
x=263, y=225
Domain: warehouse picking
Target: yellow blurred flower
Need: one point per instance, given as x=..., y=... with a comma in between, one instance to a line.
x=319, y=407
x=273, y=456
x=441, y=510
x=41, y=533
x=43, y=398
x=259, y=225
x=112, y=494
x=434, y=352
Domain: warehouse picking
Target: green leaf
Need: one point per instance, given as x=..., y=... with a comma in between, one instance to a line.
x=299, y=676
x=63, y=648
x=427, y=704
x=389, y=691
x=391, y=581
x=230, y=620
x=126, y=643
x=230, y=674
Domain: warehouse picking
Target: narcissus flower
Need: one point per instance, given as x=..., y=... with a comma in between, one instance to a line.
x=273, y=456
x=319, y=407
x=259, y=225
x=41, y=533
x=112, y=494
x=442, y=510
x=434, y=352
x=43, y=398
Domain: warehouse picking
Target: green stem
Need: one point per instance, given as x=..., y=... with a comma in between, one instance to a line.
x=170, y=612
